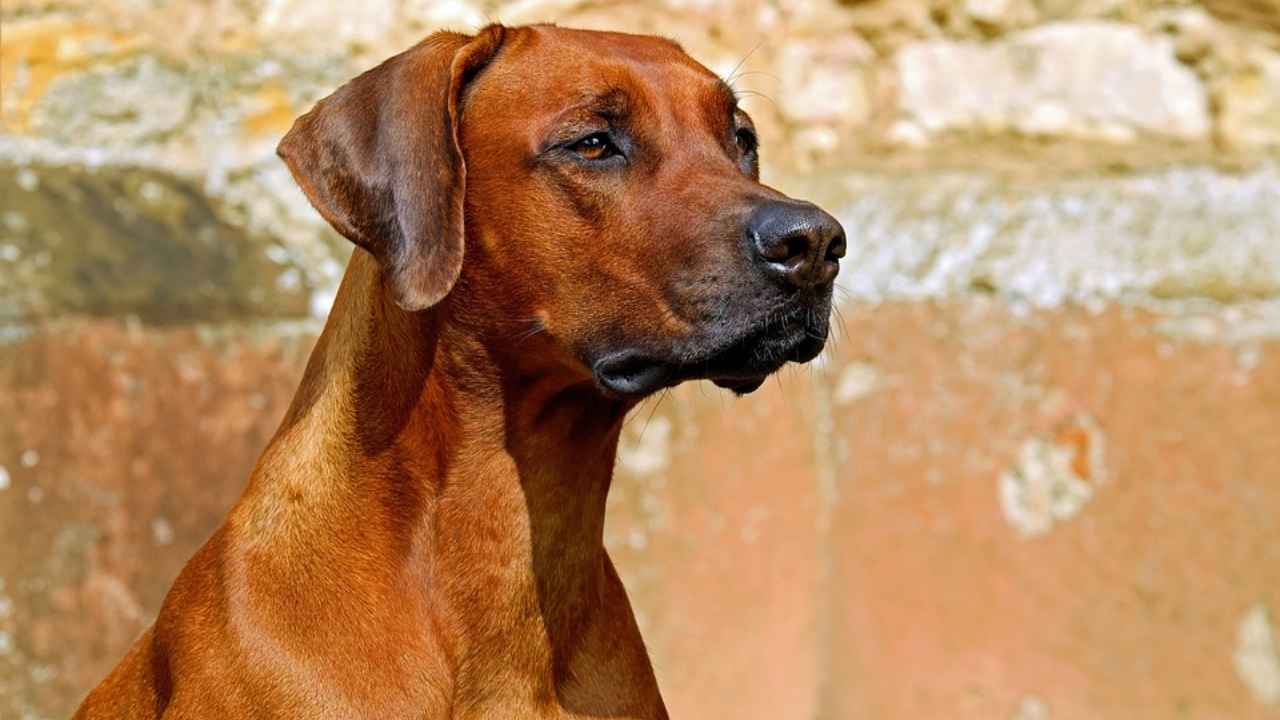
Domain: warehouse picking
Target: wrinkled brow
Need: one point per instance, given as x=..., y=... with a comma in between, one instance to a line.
x=610, y=104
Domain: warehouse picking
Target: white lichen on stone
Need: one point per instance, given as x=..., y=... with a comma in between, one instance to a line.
x=1257, y=655
x=1043, y=488
x=637, y=539
x=140, y=99
x=1178, y=234
x=162, y=531
x=28, y=180
x=1031, y=707
x=1244, y=324
x=648, y=451
x=857, y=380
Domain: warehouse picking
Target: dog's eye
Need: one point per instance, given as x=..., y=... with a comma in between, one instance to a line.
x=596, y=146
x=747, y=140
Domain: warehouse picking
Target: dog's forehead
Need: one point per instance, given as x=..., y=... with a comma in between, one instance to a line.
x=542, y=68
x=550, y=41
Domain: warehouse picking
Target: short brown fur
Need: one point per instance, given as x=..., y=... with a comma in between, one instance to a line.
x=423, y=537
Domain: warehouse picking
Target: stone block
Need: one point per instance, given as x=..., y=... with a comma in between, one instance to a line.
x=1085, y=80
x=118, y=241
x=1249, y=104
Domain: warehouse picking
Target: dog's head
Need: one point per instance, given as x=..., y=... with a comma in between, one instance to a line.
x=597, y=193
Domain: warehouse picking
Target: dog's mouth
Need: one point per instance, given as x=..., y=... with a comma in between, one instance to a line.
x=740, y=364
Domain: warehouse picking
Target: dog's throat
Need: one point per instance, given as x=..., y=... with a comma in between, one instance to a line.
x=469, y=505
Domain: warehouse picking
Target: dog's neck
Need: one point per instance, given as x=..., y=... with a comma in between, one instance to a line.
x=411, y=442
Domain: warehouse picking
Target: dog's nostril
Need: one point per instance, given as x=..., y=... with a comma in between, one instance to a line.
x=784, y=249
x=836, y=248
x=795, y=247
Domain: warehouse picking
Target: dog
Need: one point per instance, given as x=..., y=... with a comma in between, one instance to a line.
x=551, y=224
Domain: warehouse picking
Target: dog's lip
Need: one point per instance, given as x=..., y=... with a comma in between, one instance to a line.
x=740, y=386
x=635, y=373
x=629, y=373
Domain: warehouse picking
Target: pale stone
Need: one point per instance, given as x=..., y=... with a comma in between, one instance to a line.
x=1058, y=9
x=1179, y=233
x=445, y=14
x=1249, y=104
x=369, y=23
x=906, y=133
x=1001, y=14
x=1078, y=79
x=532, y=11
x=1196, y=34
x=743, y=25
x=815, y=140
x=1257, y=655
x=891, y=22
x=825, y=82
x=1045, y=118
x=815, y=16
x=699, y=6
x=138, y=100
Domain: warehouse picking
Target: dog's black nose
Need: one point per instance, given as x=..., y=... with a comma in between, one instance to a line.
x=798, y=243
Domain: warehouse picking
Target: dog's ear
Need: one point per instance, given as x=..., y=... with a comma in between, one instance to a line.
x=379, y=158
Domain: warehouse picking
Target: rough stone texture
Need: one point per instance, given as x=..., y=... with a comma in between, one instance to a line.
x=1128, y=609
x=369, y=26
x=121, y=241
x=1085, y=79
x=138, y=100
x=103, y=501
x=1250, y=103
x=221, y=81
x=1264, y=14
x=863, y=556
x=1035, y=477
x=825, y=82
x=1000, y=14
x=1182, y=233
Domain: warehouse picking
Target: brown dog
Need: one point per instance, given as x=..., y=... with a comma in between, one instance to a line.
x=423, y=536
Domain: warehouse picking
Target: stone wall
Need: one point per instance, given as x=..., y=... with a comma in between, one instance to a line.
x=1037, y=476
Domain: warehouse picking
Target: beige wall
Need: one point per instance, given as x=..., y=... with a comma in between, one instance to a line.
x=1037, y=476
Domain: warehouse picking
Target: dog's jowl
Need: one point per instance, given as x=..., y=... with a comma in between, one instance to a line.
x=550, y=225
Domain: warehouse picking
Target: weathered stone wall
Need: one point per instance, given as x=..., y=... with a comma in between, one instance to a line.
x=1037, y=476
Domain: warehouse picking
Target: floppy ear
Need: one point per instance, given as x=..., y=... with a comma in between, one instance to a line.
x=379, y=158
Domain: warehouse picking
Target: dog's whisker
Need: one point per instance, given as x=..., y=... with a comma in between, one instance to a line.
x=733, y=74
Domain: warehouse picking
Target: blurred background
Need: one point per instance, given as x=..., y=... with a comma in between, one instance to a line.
x=1036, y=476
